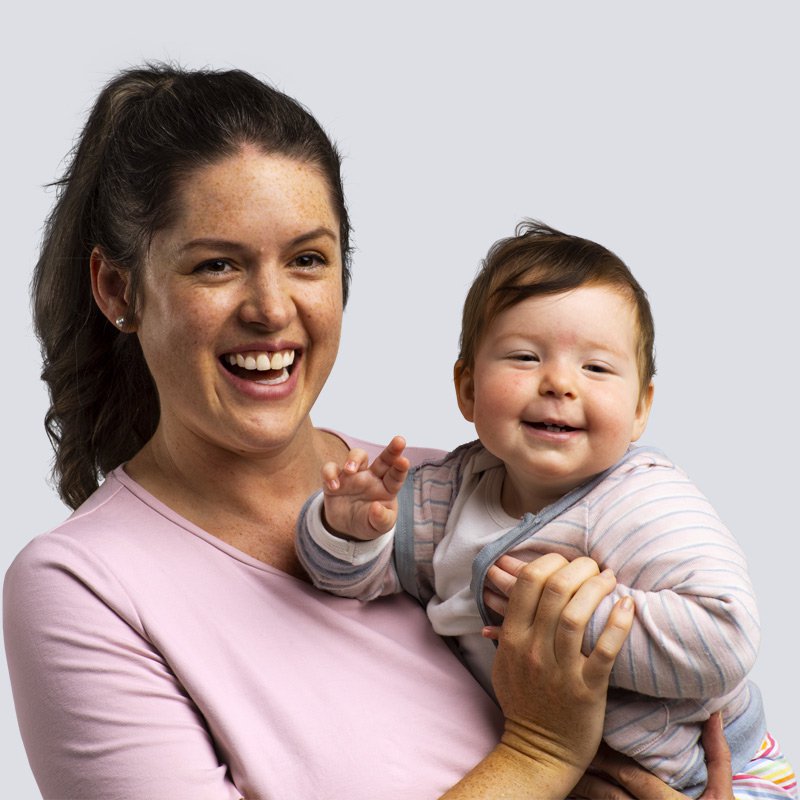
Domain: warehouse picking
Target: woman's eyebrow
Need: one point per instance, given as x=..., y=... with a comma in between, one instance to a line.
x=212, y=242
x=316, y=233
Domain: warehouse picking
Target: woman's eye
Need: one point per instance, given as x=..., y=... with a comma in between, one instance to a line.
x=215, y=266
x=309, y=261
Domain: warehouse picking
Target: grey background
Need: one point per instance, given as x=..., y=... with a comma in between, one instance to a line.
x=668, y=132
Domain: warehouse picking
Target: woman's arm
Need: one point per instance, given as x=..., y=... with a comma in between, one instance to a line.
x=553, y=697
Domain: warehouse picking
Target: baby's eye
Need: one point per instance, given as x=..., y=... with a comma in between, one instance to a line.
x=524, y=357
x=596, y=368
x=309, y=261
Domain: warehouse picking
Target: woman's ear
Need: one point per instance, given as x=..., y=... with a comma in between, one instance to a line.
x=111, y=289
x=465, y=390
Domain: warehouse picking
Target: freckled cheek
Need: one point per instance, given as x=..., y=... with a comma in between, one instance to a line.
x=173, y=329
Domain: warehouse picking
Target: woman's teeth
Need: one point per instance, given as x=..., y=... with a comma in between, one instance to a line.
x=261, y=361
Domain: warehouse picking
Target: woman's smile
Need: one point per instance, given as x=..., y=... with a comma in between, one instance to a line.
x=242, y=303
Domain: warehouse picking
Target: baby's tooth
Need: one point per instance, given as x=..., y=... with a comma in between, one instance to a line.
x=249, y=363
x=239, y=360
x=276, y=362
x=262, y=362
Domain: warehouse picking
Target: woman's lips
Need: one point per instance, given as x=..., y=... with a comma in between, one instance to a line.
x=261, y=361
x=264, y=367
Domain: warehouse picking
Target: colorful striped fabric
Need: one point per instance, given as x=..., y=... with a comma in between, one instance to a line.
x=769, y=775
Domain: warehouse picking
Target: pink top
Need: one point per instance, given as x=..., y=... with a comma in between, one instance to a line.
x=150, y=659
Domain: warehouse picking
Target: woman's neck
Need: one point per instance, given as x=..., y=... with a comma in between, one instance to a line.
x=251, y=501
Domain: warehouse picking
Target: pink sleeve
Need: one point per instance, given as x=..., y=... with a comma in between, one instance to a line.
x=696, y=632
x=100, y=712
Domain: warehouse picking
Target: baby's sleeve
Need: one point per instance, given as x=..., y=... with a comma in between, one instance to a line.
x=696, y=631
x=347, y=568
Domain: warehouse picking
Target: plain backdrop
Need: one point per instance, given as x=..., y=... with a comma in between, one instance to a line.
x=667, y=131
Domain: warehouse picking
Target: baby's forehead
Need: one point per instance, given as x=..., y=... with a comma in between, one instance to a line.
x=598, y=306
x=592, y=322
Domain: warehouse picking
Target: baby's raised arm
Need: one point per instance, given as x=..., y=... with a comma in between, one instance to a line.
x=360, y=499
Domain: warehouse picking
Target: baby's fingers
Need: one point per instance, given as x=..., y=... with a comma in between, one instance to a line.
x=380, y=518
x=357, y=459
x=497, y=602
x=332, y=472
x=503, y=573
x=394, y=478
x=330, y=476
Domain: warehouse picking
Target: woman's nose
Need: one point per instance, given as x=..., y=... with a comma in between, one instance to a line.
x=269, y=301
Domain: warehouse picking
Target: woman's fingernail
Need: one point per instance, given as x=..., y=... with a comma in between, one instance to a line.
x=627, y=603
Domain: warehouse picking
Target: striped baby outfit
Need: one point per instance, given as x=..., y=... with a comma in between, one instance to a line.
x=696, y=632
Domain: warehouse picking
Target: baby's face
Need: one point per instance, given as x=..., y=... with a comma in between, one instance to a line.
x=555, y=392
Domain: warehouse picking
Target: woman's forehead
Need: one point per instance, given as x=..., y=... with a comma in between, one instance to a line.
x=251, y=194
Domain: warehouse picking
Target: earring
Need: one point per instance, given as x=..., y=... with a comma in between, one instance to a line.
x=120, y=321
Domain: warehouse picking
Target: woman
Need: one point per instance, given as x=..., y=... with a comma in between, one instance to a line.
x=163, y=640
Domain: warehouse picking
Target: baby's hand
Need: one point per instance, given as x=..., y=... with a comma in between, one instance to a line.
x=360, y=500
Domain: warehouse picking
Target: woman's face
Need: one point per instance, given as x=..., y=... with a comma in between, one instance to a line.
x=241, y=304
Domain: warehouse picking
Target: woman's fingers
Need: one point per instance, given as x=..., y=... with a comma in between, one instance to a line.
x=601, y=659
x=531, y=580
x=550, y=625
x=593, y=786
x=635, y=779
x=718, y=760
x=578, y=611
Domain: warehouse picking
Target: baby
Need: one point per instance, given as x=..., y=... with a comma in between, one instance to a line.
x=555, y=371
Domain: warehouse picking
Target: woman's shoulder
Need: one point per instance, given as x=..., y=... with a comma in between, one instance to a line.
x=106, y=544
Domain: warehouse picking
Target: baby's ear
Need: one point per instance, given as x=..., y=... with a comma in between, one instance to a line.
x=643, y=411
x=465, y=390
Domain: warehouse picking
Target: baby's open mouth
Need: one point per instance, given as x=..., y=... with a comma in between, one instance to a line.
x=546, y=426
x=262, y=367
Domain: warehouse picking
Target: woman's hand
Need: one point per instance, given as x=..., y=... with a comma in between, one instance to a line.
x=617, y=777
x=553, y=697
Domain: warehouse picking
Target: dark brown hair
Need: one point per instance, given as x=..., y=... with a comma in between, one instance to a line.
x=149, y=128
x=540, y=260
